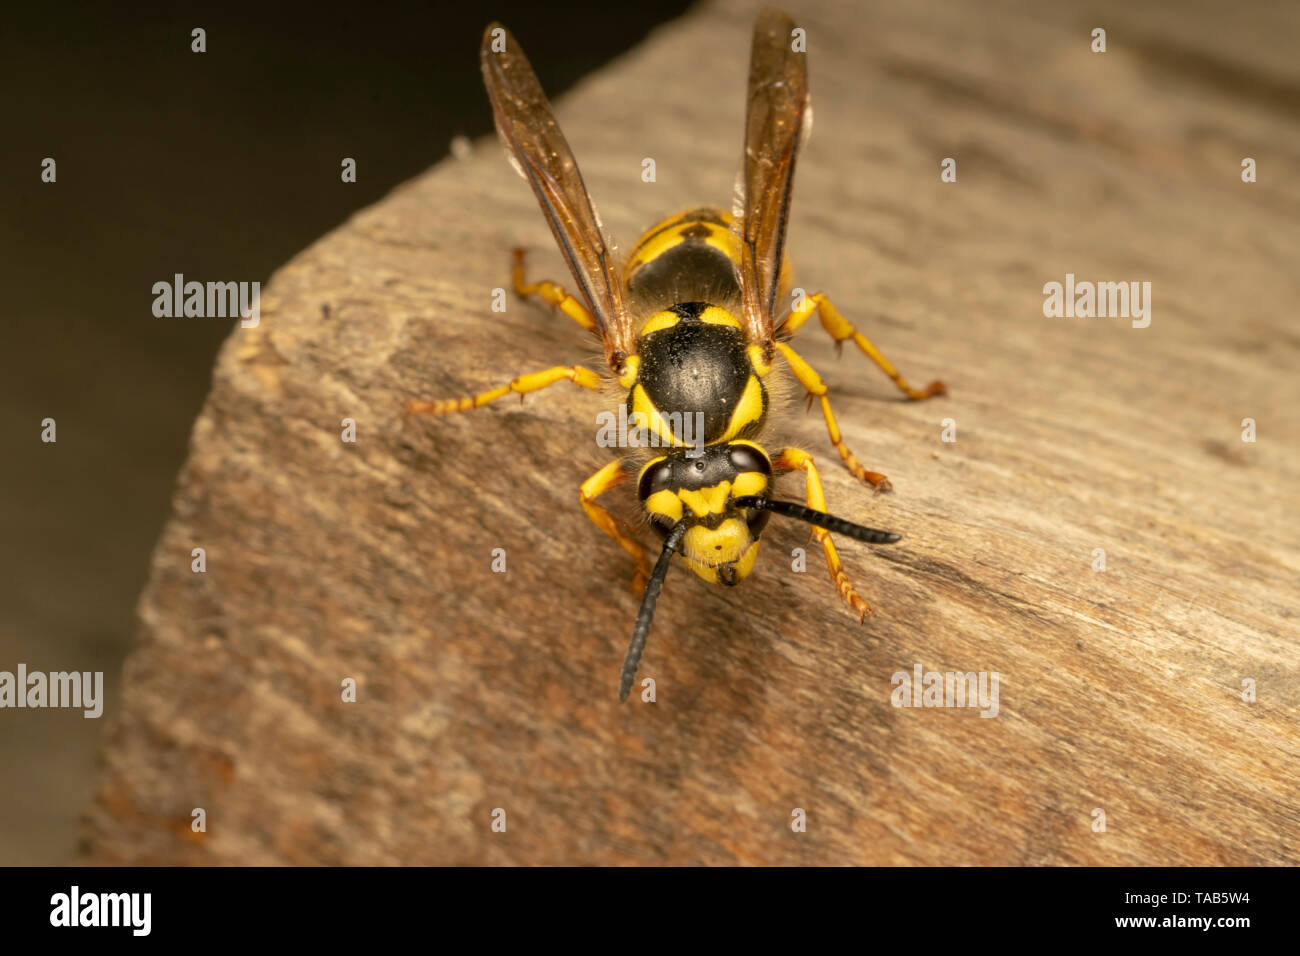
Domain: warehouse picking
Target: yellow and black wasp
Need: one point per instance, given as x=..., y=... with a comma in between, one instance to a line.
x=687, y=323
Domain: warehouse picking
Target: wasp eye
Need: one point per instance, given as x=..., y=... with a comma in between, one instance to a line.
x=655, y=478
x=748, y=458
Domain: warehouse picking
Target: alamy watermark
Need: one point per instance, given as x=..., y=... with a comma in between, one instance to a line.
x=1086, y=300
x=78, y=689
x=130, y=910
x=208, y=300
x=923, y=688
x=635, y=430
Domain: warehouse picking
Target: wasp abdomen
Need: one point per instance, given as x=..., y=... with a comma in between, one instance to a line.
x=687, y=256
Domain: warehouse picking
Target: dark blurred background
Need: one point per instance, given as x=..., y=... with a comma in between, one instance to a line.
x=218, y=165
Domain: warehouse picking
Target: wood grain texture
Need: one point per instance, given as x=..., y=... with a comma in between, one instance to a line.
x=1119, y=690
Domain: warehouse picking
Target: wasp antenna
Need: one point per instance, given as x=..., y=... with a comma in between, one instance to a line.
x=644, y=616
x=820, y=518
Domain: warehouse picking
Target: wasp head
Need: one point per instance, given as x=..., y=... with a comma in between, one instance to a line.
x=699, y=488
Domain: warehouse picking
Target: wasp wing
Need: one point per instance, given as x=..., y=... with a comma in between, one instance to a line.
x=540, y=153
x=774, y=127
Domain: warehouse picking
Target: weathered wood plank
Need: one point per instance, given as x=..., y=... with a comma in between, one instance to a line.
x=1118, y=690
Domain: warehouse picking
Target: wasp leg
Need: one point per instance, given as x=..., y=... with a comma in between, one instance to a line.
x=791, y=459
x=840, y=328
x=611, y=475
x=810, y=380
x=523, y=384
x=552, y=293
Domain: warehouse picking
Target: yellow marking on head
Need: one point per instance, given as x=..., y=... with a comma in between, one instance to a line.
x=746, y=562
x=706, y=501
x=703, y=563
x=708, y=572
x=665, y=503
x=660, y=321
x=631, y=365
x=749, y=483
x=718, y=316
x=749, y=409
x=721, y=545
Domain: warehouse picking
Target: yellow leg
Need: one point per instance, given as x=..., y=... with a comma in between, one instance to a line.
x=840, y=328
x=523, y=384
x=791, y=459
x=810, y=380
x=552, y=293
x=611, y=475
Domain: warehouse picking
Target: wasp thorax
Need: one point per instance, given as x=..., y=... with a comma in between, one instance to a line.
x=699, y=487
x=693, y=361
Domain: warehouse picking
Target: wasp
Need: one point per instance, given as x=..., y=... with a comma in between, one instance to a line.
x=687, y=322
